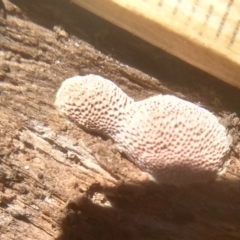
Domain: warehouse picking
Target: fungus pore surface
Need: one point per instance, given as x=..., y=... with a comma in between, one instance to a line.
x=176, y=141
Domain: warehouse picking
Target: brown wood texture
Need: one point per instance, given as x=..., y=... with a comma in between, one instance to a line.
x=58, y=181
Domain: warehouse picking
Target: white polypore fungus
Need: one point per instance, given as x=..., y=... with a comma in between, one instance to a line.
x=172, y=139
x=93, y=102
x=175, y=140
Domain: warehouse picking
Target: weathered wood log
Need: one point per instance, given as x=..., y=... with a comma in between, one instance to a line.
x=58, y=181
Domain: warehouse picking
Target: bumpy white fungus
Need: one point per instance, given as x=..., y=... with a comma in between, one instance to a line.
x=172, y=139
x=93, y=102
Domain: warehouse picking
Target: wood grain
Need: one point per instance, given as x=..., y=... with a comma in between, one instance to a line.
x=202, y=33
x=59, y=182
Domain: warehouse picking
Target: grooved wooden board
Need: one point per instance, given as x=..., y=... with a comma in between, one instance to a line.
x=204, y=33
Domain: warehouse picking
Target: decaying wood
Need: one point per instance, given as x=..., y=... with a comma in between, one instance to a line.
x=58, y=181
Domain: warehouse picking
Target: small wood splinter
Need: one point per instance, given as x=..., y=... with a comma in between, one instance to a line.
x=176, y=141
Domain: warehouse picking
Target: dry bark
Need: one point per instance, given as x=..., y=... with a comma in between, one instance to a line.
x=58, y=181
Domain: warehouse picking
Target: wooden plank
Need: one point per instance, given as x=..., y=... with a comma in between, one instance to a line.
x=202, y=33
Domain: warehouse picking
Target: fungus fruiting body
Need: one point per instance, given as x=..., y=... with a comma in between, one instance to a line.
x=93, y=102
x=176, y=141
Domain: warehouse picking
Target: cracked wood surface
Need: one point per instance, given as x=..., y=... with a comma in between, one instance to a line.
x=58, y=181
